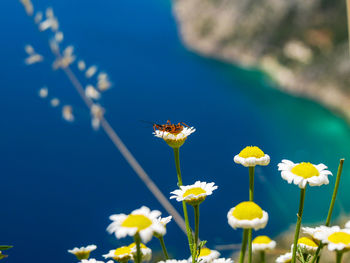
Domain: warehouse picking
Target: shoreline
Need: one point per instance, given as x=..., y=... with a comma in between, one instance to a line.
x=316, y=79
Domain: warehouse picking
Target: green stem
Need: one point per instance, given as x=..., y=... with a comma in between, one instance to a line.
x=196, y=229
x=184, y=206
x=177, y=164
x=331, y=206
x=297, y=229
x=251, y=183
x=137, y=240
x=250, y=237
x=262, y=256
x=165, y=252
x=244, y=245
x=339, y=256
x=335, y=192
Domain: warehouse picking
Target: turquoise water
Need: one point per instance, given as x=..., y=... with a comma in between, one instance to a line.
x=61, y=181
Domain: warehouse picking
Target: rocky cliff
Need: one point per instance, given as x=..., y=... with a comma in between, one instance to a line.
x=302, y=45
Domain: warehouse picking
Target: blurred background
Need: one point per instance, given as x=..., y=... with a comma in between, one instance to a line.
x=181, y=61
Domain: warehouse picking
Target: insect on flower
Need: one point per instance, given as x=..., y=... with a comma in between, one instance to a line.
x=173, y=134
x=170, y=127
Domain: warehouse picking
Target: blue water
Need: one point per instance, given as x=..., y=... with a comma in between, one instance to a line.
x=60, y=181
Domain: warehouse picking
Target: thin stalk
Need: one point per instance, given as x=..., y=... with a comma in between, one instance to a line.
x=335, y=192
x=196, y=229
x=137, y=240
x=244, y=245
x=125, y=152
x=262, y=256
x=177, y=164
x=297, y=229
x=250, y=236
x=331, y=206
x=165, y=252
x=339, y=256
x=184, y=206
x=251, y=183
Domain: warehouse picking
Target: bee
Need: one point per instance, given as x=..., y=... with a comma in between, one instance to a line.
x=170, y=127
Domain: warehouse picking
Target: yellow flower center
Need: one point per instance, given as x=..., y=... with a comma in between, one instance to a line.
x=122, y=251
x=307, y=241
x=139, y=221
x=194, y=191
x=251, y=151
x=262, y=240
x=204, y=252
x=247, y=211
x=305, y=170
x=340, y=237
x=133, y=245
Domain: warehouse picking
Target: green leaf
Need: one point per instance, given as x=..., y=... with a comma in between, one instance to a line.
x=202, y=244
x=5, y=247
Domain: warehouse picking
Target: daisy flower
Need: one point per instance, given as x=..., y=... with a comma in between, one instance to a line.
x=286, y=258
x=247, y=215
x=174, y=261
x=121, y=254
x=307, y=245
x=304, y=173
x=263, y=243
x=173, y=134
x=146, y=252
x=222, y=260
x=313, y=230
x=251, y=156
x=207, y=255
x=83, y=252
x=337, y=239
x=193, y=194
x=141, y=221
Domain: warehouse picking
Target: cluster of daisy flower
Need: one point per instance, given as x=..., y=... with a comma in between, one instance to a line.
x=142, y=224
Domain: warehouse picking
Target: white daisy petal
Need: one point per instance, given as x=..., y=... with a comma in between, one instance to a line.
x=335, y=237
x=251, y=156
x=142, y=221
x=82, y=252
x=263, y=243
x=194, y=194
x=303, y=173
x=284, y=258
x=120, y=254
x=247, y=215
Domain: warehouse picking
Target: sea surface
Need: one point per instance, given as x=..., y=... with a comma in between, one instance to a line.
x=61, y=181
